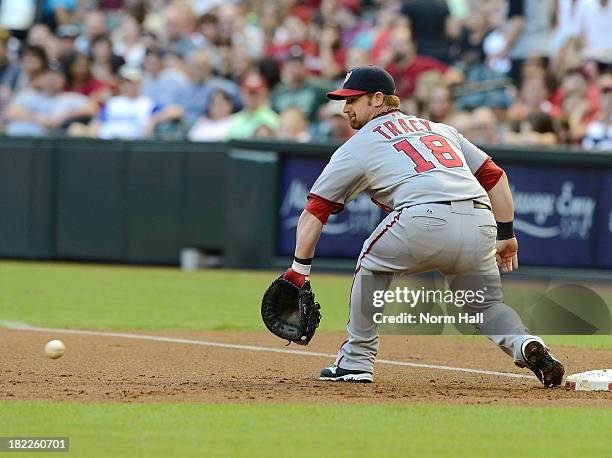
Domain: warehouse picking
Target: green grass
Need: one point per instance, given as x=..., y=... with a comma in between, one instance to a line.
x=164, y=430
x=112, y=297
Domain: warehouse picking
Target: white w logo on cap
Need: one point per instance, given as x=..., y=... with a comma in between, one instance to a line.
x=348, y=75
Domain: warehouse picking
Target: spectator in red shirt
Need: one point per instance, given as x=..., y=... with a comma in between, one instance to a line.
x=80, y=79
x=575, y=81
x=406, y=65
x=105, y=64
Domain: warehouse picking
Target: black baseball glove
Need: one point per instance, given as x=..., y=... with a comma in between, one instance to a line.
x=290, y=312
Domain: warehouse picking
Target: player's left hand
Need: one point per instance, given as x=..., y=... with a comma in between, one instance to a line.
x=507, y=254
x=290, y=311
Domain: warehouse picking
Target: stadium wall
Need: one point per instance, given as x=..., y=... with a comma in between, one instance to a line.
x=142, y=201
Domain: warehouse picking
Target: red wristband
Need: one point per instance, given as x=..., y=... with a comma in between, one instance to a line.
x=294, y=277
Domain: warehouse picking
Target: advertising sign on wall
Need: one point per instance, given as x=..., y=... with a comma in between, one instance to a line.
x=563, y=216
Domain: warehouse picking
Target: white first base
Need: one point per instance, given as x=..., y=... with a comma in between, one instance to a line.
x=598, y=380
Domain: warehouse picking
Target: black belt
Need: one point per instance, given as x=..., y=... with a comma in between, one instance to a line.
x=476, y=204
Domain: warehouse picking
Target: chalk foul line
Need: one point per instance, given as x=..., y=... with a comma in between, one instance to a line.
x=16, y=325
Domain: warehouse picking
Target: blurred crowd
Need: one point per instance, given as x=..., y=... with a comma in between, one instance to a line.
x=518, y=72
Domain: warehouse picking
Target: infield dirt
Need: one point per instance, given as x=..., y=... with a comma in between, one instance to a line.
x=115, y=369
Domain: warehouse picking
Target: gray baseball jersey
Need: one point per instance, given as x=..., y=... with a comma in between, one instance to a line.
x=400, y=161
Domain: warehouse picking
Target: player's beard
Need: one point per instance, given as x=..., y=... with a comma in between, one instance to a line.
x=356, y=123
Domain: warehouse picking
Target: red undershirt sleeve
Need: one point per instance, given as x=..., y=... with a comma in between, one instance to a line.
x=488, y=174
x=321, y=207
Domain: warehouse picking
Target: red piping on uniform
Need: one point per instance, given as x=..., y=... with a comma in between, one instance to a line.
x=350, y=297
x=381, y=205
x=349, y=320
x=482, y=165
x=366, y=252
x=387, y=227
x=342, y=356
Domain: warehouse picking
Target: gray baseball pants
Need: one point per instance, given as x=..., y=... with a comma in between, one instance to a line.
x=457, y=240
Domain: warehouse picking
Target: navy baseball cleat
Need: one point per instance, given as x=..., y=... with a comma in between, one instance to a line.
x=334, y=373
x=543, y=364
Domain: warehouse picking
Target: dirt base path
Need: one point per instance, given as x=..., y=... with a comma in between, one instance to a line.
x=108, y=369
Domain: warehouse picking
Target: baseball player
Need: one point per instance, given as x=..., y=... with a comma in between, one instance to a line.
x=448, y=202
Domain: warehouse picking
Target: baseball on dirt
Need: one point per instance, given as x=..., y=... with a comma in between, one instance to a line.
x=55, y=348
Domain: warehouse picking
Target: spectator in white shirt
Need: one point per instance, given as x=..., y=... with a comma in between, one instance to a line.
x=566, y=24
x=131, y=115
x=594, y=22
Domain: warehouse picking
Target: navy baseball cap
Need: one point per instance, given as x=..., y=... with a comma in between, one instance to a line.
x=363, y=80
